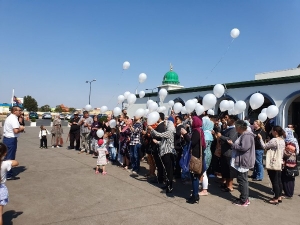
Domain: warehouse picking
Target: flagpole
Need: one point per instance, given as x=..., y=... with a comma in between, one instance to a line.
x=12, y=98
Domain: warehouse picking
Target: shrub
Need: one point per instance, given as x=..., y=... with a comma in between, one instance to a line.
x=33, y=120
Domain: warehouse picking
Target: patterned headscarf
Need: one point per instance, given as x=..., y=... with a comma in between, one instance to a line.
x=196, y=125
x=289, y=138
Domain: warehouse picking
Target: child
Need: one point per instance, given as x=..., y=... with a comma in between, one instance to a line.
x=102, y=152
x=112, y=145
x=43, y=137
x=5, y=166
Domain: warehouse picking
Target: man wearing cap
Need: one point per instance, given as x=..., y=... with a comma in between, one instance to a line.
x=11, y=132
x=85, y=124
x=75, y=132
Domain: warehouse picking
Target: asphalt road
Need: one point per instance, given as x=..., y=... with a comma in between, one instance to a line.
x=45, y=122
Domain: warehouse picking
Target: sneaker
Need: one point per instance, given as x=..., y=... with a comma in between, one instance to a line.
x=104, y=173
x=41, y=147
x=57, y=146
x=134, y=173
x=52, y=146
x=239, y=202
x=82, y=150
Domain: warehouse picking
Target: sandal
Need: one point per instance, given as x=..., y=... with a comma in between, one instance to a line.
x=96, y=172
x=203, y=194
x=272, y=202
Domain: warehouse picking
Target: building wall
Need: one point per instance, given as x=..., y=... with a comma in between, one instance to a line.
x=281, y=94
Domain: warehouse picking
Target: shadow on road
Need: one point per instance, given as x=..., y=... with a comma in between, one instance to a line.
x=9, y=216
x=19, y=169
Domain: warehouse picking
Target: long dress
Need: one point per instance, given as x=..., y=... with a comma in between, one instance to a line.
x=56, y=131
x=124, y=142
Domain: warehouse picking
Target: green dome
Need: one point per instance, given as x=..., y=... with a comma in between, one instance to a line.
x=171, y=78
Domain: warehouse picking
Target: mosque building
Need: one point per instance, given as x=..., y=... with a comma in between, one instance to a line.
x=280, y=88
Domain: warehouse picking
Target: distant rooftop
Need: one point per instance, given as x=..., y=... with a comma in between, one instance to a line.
x=277, y=74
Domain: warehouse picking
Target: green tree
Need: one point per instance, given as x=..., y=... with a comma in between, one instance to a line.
x=45, y=108
x=30, y=103
x=71, y=109
x=58, y=109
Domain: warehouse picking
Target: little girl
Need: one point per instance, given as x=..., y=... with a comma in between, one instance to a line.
x=43, y=137
x=5, y=166
x=102, y=152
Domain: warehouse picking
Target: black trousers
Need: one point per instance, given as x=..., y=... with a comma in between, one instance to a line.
x=43, y=142
x=75, y=136
x=275, y=177
x=159, y=166
x=288, y=184
x=168, y=163
x=177, y=165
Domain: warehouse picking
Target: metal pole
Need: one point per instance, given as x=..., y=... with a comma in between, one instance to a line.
x=90, y=93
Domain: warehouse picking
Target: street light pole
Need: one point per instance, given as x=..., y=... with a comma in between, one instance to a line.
x=90, y=89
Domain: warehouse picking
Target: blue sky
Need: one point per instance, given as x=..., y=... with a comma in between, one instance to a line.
x=48, y=49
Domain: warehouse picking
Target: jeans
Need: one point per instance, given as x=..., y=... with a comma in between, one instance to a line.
x=11, y=144
x=195, y=184
x=134, y=157
x=112, y=153
x=242, y=180
x=258, y=172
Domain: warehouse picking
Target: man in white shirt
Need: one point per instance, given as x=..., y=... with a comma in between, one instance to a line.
x=11, y=132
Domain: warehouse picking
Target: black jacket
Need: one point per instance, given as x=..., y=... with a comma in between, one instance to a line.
x=160, y=128
x=178, y=140
x=228, y=134
x=257, y=140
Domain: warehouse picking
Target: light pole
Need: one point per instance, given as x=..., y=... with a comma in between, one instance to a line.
x=90, y=89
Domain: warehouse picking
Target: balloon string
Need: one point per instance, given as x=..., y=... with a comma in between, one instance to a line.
x=219, y=62
x=119, y=81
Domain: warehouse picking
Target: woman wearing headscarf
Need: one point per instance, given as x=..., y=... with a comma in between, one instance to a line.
x=125, y=134
x=166, y=151
x=289, y=161
x=197, y=149
x=207, y=128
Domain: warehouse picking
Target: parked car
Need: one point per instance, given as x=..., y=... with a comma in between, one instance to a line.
x=68, y=116
x=61, y=116
x=33, y=115
x=47, y=116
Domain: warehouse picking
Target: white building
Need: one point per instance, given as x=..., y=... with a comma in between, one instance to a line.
x=280, y=88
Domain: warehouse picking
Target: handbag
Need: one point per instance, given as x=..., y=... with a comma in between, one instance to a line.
x=274, y=159
x=196, y=163
x=291, y=171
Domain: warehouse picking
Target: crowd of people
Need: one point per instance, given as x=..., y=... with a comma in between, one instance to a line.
x=228, y=147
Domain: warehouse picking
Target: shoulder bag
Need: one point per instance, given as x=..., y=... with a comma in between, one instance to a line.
x=196, y=163
x=274, y=159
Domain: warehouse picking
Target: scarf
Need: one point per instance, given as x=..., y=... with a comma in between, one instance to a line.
x=207, y=127
x=128, y=124
x=289, y=138
x=196, y=126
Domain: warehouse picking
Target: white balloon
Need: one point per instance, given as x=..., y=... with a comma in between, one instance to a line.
x=199, y=109
x=88, y=107
x=100, y=133
x=146, y=112
x=183, y=110
x=232, y=112
x=171, y=103
x=210, y=112
x=264, y=110
x=148, y=102
x=195, y=100
x=152, y=118
x=239, y=106
x=126, y=65
x=231, y=104
x=209, y=101
x=256, y=100
x=219, y=90
x=234, y=33
x=163, y=108
x=131, y=99
x=139, y=113
x=177, y=107
x=142, y=94
x=121, y=98
x=103, y=109
x=117, y=111
x=142, y=77
x=190, y=105
x=162, y=94
x=112, y=123
x=262, y=117
x=126, y=94
x=153, y=106
x=159, y=109
x=224, y=105
x=272, y=111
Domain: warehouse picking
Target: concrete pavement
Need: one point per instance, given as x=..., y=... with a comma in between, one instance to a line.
x=59, y=186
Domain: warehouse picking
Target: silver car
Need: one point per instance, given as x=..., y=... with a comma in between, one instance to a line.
x=46, y=116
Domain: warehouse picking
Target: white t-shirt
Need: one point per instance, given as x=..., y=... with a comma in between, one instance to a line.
x=5, y=166
x=10, y=124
